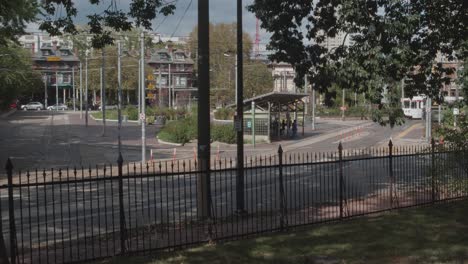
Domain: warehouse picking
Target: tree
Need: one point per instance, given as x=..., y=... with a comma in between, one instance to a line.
x=223, y=39
x=17, y=78
x=14, y=15
x=392, y=40
x=102, y=24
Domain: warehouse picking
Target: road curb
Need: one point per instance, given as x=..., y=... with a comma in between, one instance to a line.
x=9, y=113
x=111, y=120
x=169, y=143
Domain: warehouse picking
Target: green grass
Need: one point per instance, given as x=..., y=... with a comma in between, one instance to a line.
x=436, y=234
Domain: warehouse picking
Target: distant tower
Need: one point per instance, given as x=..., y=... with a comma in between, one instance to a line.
x=257, y=40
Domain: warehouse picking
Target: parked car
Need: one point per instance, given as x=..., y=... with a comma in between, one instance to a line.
x=32, y=106
x=13, y=106
x=59, y=107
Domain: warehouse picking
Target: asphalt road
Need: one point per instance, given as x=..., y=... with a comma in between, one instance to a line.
x=86, y=210
x=47, y=139
x=81, y=210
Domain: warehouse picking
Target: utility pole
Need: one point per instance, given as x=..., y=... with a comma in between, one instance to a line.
x=81, y=91
x=103, y=92
x=45, y=90
x=169, y=91
x=119, y=106
x=203, y=180
x=343, y=106
x=306, y=91
x=428, y=119
x=313, y=108
x=139, y=89
x=73, y=88
x=143, y=100
x=56, y=89
x=86, y=87
x=240, y=112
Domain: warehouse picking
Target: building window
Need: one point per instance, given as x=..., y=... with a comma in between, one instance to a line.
x=47, y=53
x=179, y=56
x=180, y=67
x=180, y=81
x=163, y=81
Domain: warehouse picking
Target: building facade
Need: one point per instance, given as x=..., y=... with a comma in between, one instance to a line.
x=173, y=75
x=34, y=42
x=283, y=77
x=57, y=65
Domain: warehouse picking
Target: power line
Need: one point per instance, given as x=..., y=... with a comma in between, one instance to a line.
x=181, y=18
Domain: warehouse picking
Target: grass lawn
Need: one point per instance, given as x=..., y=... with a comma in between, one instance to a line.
x=110, y=115
x=433, y=234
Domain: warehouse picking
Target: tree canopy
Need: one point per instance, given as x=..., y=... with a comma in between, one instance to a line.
x=16, y=75
x=392, y=40
x=101, y=24
x=223, y=39
x=14, y=15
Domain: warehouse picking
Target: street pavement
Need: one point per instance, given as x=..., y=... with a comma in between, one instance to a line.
x=81, y=209
x=48, y=139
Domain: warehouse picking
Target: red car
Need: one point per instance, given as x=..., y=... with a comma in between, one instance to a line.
x=13, y=106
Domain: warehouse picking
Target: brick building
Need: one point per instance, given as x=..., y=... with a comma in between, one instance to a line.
x=173, y=72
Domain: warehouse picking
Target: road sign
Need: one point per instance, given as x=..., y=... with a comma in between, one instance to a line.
x=150, y=96
x=343, y=108
x=150, y=77
x=150, y=86
x=249, y=124
x=142, y=116
x=456, y=111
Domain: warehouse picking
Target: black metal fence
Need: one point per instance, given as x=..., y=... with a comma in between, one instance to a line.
x=80, y=214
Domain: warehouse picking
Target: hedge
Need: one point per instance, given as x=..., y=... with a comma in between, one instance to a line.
x=183, y=130
x=224, y=114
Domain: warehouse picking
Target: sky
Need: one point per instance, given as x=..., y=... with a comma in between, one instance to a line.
x=221, y=11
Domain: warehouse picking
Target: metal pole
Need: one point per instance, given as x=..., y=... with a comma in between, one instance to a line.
x=203, y=180
x=456, y=105
x=103, y=97
x=119, y=86
x=269, y=122
x=73, y=88
x=313, y=109
x=143, y=100
x=439, y=108
x=81, y=91
x=235, y=66
x=45, y=91
x=86, y=89
x=343, y=106
x=56, y=89
x=253, y=124
x=160, y=88
x=139, y=89
x=306, y=90
x=429, y=119
x=240, y=111
x=169, y=86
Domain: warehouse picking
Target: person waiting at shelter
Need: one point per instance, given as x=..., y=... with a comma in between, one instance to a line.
x=283, y=127
x=294, y=128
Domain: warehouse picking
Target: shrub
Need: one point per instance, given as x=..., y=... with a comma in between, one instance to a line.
x=224, y=133
x=175, y=132
x=150, y=120
x=224, y=114
x=132, y=112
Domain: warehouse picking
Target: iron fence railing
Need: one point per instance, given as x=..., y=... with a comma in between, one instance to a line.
x=82, y=214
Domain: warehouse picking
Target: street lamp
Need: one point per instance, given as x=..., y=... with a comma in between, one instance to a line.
x=235, y=66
